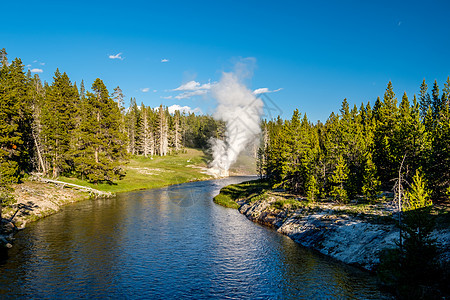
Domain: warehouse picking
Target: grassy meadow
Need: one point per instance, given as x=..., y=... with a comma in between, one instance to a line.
x=156, y=172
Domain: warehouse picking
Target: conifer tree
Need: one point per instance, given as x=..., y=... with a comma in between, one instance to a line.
x=439, y=162
x=437, y=102
x=118, y=98
x=132, y=123
x=312, y=189
x=58, y=121
x=371, y=183
x=385, y=157
x=339, y=181
x=446, y=93
x=424, y=99
x=82, y=91
x=15, y=116
x=101, y=142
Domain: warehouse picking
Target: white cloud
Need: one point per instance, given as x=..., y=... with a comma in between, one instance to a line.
x=164, y=60
x=42, y=64
x=166, y=97
x=117, y=56
x=185, y=109
x=190, y=94
x=193, y=86
x=265, y=90
x=145, y=90
x=27, y=66
x=35, y=70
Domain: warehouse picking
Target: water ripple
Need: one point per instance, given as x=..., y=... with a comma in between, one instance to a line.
x=152, y=244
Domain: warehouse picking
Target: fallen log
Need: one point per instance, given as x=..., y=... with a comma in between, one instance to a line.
x=90, y=190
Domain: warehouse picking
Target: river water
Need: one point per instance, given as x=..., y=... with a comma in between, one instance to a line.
x=171, y=243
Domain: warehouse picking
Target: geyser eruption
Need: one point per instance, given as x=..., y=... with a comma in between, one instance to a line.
x=241, y=111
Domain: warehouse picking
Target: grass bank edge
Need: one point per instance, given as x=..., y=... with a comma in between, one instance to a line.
x=150, y=173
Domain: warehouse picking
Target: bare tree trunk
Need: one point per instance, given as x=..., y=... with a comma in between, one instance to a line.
x=38, y=150
x=400, y=191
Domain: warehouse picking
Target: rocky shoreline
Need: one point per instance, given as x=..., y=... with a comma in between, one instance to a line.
x=34, y=200
x=352, y=237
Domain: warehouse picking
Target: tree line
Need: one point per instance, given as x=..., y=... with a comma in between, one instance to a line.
x=62, y=129
x=358, y=151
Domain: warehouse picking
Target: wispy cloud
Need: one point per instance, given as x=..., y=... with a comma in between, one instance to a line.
x=190, y=94
x=117, y=56
x=265, y=90
x=38, y=62
x=164, y=60
x=145, y=90
x=186, y=109
x=166, y=97
x=193, y=86
x=35, y=70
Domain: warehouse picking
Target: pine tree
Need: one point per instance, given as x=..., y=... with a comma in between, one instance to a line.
x=58, y=121
x=312, y=189
x=118, y=97
x=132, y=121
x=15, y=139
x=384, y=156
x=100, y=140
x=438, y=170
x=371, y=183
x=424, y=99
x=446, y=93
x=437, y=102
x=339, y=181
x=418, y=195
x=82, y=91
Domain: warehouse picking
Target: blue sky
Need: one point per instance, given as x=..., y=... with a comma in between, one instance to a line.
x=315, y=53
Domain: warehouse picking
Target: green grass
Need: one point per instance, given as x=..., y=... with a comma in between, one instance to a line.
x=226, y=201
x=231, y=193
x=146, y=173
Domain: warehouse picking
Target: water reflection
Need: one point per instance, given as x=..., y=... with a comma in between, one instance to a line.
x=171, y=242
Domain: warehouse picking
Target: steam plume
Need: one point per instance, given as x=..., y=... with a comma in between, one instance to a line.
x=241, y=111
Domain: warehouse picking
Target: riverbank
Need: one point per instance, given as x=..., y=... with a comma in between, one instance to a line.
x=353, y=234
x=36, y=199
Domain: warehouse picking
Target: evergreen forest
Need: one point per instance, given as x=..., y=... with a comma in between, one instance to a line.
x=61, y=128
x=361, y=151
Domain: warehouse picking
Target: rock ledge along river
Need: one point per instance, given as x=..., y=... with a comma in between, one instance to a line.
x=172, y=242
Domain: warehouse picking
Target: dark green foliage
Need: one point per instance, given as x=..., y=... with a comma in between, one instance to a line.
x=100, y=143
x=371, y=183
x=439, y=162
x=15, y=125
x=339, y=181
x=58, y=122
x=367, y=143
x=412, y=265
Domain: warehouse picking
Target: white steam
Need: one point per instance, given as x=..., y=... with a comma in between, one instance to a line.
x=241, y=111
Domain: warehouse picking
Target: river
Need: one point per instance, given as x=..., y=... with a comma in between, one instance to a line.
x=172, y=243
